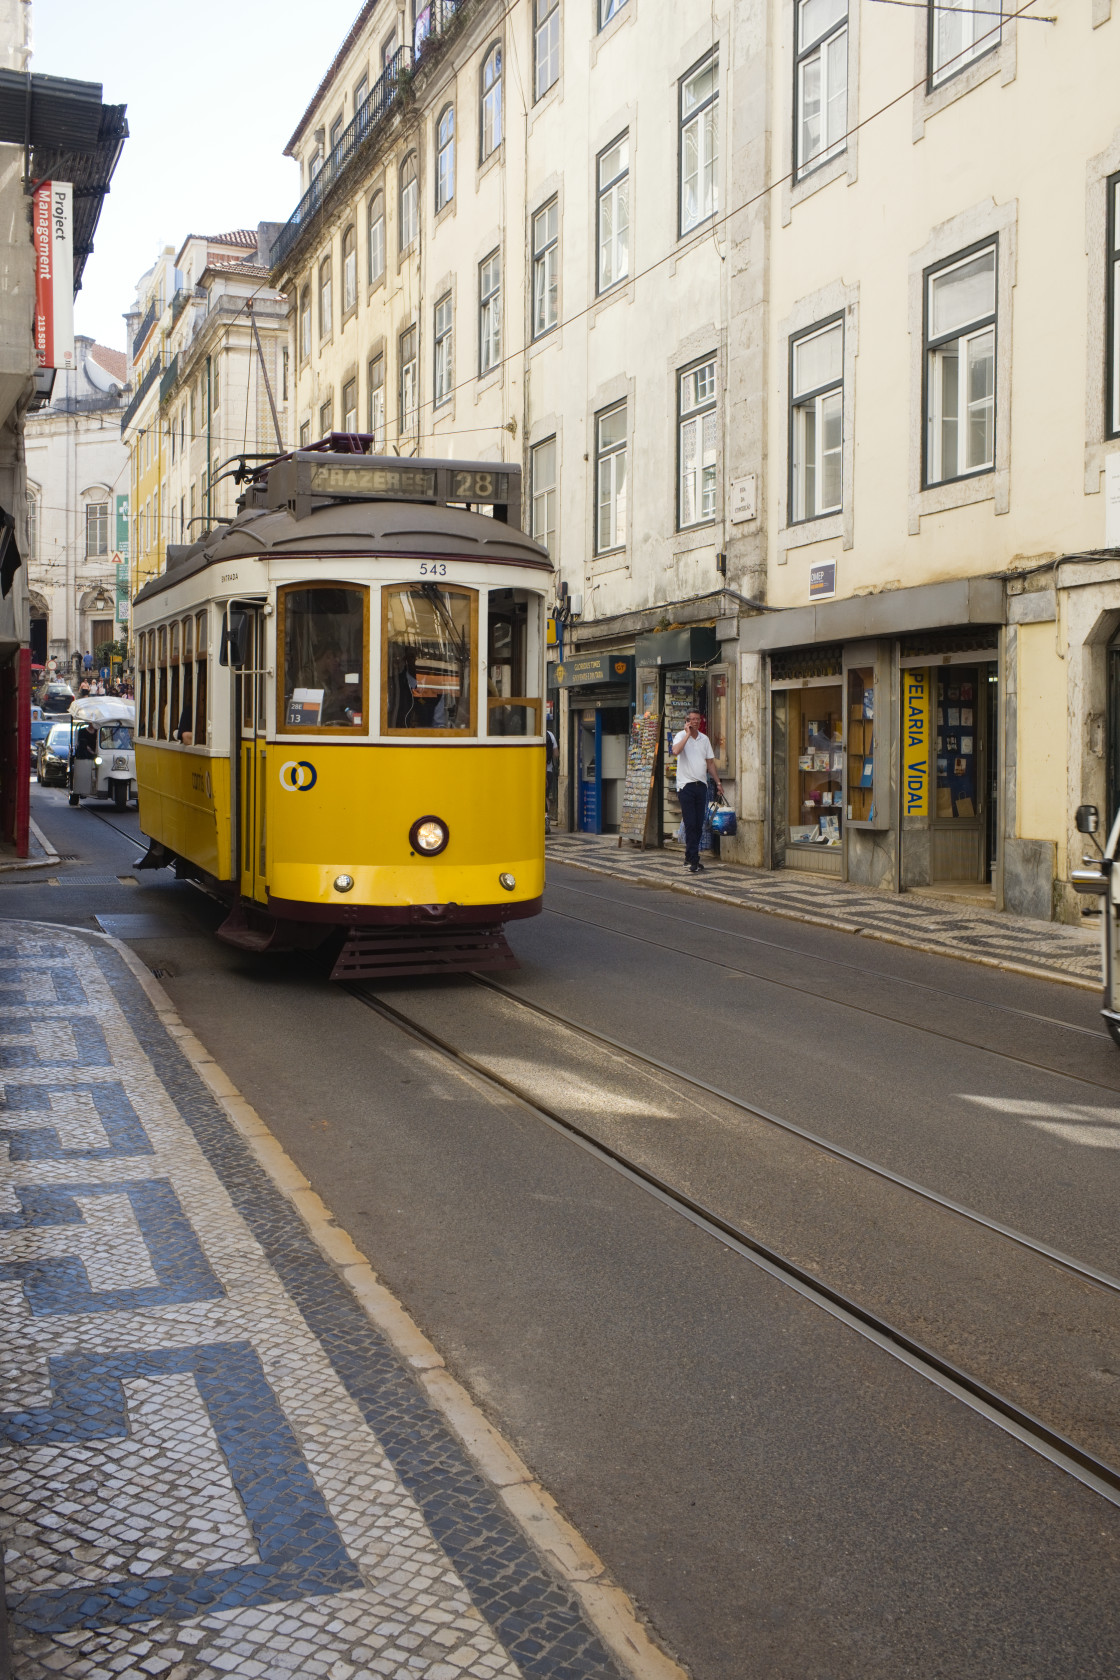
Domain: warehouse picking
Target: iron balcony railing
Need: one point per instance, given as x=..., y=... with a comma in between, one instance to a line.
x=433, y=19
x=169, y=377
x=142, y=390
x=145, y=327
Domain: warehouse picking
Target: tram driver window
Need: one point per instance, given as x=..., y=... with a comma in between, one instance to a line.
x=323, y=635
x=428, y=651
x=513, y=704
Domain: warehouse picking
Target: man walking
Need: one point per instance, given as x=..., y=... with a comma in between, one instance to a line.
x=695, y=763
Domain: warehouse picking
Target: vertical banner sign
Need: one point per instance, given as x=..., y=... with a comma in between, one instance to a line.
x=121, y=543
x=53, y=223
x=915, y=743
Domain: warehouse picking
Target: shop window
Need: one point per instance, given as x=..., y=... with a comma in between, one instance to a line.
x=960, y=331
x=821, y=81
x=697, y=436
x=323, y=635
x=161, y=704
x=490, y=115
x=445, y=157
x=959, y=32
x=200, y=723
x=699, y=144
x=816, y=766
x=513, y=705
x=719, y=718
x=429, y=639
x=958, y=783
x=817, y=423
x=546, y=46
x=546, y=267
x=861, y=744
x=613, y=214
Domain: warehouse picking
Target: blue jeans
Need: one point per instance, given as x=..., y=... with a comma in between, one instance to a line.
x=694, y=803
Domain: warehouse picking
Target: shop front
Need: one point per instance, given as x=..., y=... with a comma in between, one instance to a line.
x=678, y=671
x=596, y=702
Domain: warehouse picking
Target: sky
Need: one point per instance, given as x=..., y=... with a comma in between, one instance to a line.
x=214, y=90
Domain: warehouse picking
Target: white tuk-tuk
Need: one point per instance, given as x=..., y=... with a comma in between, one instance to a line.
x=102, y=760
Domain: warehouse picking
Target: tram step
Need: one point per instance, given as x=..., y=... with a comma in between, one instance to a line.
x=386, y=952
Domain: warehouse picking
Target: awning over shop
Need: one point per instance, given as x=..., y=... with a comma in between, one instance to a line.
x=927, y=606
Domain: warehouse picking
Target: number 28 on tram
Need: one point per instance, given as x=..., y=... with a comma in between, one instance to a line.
x=340, y=712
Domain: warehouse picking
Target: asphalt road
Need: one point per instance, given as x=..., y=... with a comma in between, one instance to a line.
x=783, y=1500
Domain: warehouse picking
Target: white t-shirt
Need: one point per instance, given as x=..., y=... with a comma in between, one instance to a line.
x=692, y=760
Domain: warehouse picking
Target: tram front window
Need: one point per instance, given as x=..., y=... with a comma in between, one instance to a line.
x=323, y=634
x=429, y=642
x=513, y=704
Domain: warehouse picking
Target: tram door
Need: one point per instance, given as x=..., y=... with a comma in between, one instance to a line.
x=252, y=766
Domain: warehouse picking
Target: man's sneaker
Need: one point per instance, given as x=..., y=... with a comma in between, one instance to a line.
x=699, y=868
x=695, y=868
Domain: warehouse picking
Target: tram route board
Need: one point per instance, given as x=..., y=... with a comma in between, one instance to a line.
x=641, y=778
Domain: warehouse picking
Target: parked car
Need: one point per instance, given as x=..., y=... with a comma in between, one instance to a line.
x=40, y=729
x=52, y=762
x=57, y=698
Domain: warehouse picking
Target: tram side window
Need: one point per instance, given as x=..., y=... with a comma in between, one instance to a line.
x=200, y=668
x=173, y=709
x=429, y=637
x=324, y=637
x=150, y=727
x=513, y=703
x=161, y=703
x=141, y=682
x=186, y=713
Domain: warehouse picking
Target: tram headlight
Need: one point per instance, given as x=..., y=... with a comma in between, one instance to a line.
x=507, y=881
x=343, y=883
x=428, y=836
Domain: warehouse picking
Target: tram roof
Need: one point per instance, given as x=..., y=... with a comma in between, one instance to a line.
x=353, y=528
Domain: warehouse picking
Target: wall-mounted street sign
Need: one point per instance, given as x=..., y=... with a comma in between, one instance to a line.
x=822, y=580
x=744, y=499
x=593, y=668
x=53, y=238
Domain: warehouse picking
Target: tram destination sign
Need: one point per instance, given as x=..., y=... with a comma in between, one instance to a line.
x=306, y=475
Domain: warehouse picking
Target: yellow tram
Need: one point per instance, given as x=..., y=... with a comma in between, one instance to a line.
x=340, y=711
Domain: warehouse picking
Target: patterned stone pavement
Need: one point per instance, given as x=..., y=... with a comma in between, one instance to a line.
x=212, y=1462
x=947, y=929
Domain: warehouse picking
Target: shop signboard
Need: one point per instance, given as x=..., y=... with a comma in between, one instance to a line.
x=822, y=580
x=915, y=742
x=585, y=670
x=53, y=233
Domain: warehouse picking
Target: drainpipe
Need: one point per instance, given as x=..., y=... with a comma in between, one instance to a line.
x=209, y=451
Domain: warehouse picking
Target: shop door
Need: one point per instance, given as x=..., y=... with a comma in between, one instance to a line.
x=589, y=761
x=253, y=762
x=963, y=839
x=684, y=690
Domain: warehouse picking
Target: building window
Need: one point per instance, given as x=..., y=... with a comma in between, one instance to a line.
x=336, y=131
x=350, y=406
x=376, y=237
x=817, y=422
x=821, y=96
x=490, y=127
x=1112, y=373
x=960, y=361
x=283, y=377
x=613, y=215
x=349, y=270
x=696, y=445
x=325, y=299
x=32, y=528
x=959, y=31
x=377, y=401
x=361, y=94
x=489, y=312
x=326, y=418
x=699, y=144
x=546, y=267
x=610, y=479
x=409, y=201
x=97, y=529
x=546, y=46
x=542, y=484
x=410, y=386
x=609, y=9
x=443, y=363
x=216, y=379
x=304, y=440
x=388, y=50
x=445, y=158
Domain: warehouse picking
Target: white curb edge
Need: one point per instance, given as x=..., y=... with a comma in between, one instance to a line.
x=566, y=1554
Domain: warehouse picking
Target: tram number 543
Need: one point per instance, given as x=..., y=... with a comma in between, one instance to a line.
x=433, y=568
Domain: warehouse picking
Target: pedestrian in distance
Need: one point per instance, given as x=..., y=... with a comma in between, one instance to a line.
x=695, y=763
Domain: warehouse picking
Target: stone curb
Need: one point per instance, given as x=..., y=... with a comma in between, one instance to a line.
x=565, y=1552
x=9, y=866
x=837, y=924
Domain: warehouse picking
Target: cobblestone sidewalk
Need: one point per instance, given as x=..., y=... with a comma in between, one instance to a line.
x=947, y=929
x=213, y=1463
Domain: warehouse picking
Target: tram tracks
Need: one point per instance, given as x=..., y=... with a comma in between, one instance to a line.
x=1080, y=1314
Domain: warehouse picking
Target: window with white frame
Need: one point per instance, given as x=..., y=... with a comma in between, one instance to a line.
x=699, y=143
x=697, y=437
x=361, y=94
x=377, y=401
x=409, y=411
x=610, y=479
x=97, y=529
x=349, y=270
x=489, y=312
x=350, y=406
x=490, y=92
x=816, y=461
x=336, y=130
x=445, y=157
x=442, y=361
x=960, y=366
x=325, y=299
x=376, y=237
x=326, y=417
x=1112, y=371
x=821, y=91
x=542, y=485
x=546, y=45
x=409, y=201
x=613, y=213
x=959, y=32
x=305, y=323
x=546, y=267
x=609, y=9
